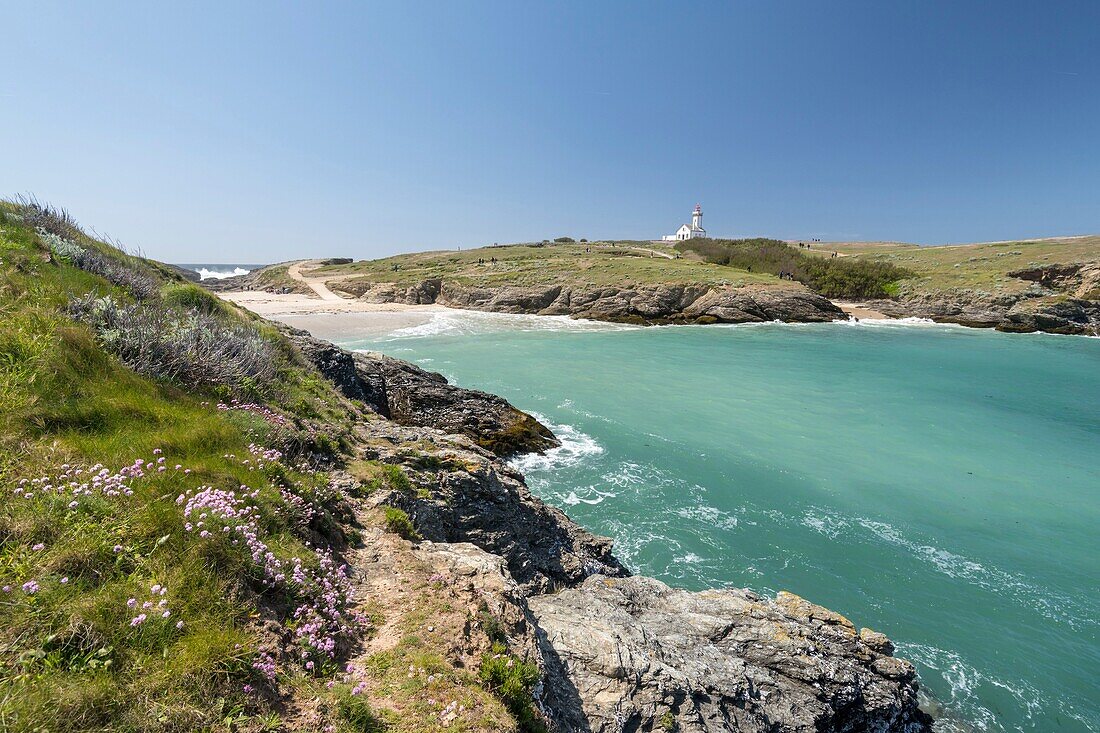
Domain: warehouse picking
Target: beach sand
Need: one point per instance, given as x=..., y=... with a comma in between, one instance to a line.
x=860, y=311
x=334, y=319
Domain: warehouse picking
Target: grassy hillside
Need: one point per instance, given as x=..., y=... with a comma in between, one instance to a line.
x=172, y=542
x=862, y=269
x=601, y=263
x=833, y=277
x=969, y=266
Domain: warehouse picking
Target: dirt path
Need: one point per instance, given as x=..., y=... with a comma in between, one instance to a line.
x=317, y=285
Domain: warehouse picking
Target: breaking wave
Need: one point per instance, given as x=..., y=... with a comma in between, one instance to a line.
x=575, y=447
x=455, y=322
x=205, y=274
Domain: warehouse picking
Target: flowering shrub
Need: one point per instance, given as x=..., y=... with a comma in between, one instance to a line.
x=323, y=619
x=192, y=349
x=265, y=412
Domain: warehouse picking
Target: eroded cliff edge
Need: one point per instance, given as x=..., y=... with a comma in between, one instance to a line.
x=616, y=653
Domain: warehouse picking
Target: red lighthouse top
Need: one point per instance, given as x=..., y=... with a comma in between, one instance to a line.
x=698, y=209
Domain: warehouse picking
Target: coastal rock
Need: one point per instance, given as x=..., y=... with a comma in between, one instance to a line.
x=666, y=303
x=465, y=497
x=744, y=305
x=965, y=307
x=1066, y=316
x=506, y=299
x=408, y=395
x=418, y=397
x=1076, y=279
x=634, y=654
x=1035, y=309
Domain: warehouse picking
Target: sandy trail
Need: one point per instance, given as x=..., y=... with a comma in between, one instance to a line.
x=317, y=285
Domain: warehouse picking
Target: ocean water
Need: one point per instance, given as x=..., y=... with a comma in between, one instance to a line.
x=936, y=483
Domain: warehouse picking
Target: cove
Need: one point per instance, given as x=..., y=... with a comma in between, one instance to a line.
x=935, y=483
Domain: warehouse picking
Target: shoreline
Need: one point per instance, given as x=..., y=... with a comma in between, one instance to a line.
x=334, y=319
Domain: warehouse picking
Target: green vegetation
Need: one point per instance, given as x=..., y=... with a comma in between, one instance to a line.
x=512, y=680
x=861, y=270
x=135, y=505
x=604, y=263
x=398, y=522
x=983, y=267
x=833, y=277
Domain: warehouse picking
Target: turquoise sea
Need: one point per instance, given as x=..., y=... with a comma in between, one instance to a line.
x=936, y=483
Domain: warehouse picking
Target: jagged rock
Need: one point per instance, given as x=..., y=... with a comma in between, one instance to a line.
x=467, y=498
x=418, y=397
x=1032, y=310
x=1068, y=316
x=634, y=654
x=745, y=305
x=409, y=395
x=640, y=304
x=1077, y=279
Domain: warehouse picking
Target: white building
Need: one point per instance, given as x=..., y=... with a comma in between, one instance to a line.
x=689, y=231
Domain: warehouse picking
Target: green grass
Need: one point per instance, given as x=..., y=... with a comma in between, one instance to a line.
x=833, y=277
x=512, y=680
x=616, y=263
x=885, y=269
x=72, y=659
x=982, y=267
x=398, y=522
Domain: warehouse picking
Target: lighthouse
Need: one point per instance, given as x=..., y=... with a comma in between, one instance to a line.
x=689, y=231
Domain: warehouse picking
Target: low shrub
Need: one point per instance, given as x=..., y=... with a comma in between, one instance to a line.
x=187, y=296
x=195, y=349
x=398, y=522
x=512, y=680
x=141, y=285
x=46, y=217
x=833, y=277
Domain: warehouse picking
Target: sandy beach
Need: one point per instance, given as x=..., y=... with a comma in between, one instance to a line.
x=334, y=319
x=860, y=311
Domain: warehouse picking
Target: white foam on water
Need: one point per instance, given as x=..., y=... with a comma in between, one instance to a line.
x=589, y=495
x=206, y=274
x=455, y=322
x=964, y=680
x=1051, y=605
x=708, y=515
x=575, y=447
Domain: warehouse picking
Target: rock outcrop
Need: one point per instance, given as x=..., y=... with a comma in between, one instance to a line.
x=409, y=395
x=633, y=654
x=638, y=304
x=1037, y=309
x=617, y=653
x=463, y=497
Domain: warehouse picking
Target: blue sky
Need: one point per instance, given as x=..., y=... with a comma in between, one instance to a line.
x=235, y=132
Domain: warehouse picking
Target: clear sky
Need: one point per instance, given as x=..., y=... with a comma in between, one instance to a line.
x=235, y=132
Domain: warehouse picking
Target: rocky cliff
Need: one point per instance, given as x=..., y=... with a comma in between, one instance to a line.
x=1034, y=310
x=409, y=395
x=615, y=652
x=637, y=304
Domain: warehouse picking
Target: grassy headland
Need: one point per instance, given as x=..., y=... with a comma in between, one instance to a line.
x=172, y=542
x=861, y=271
x=595, y=264
x=984, y=266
